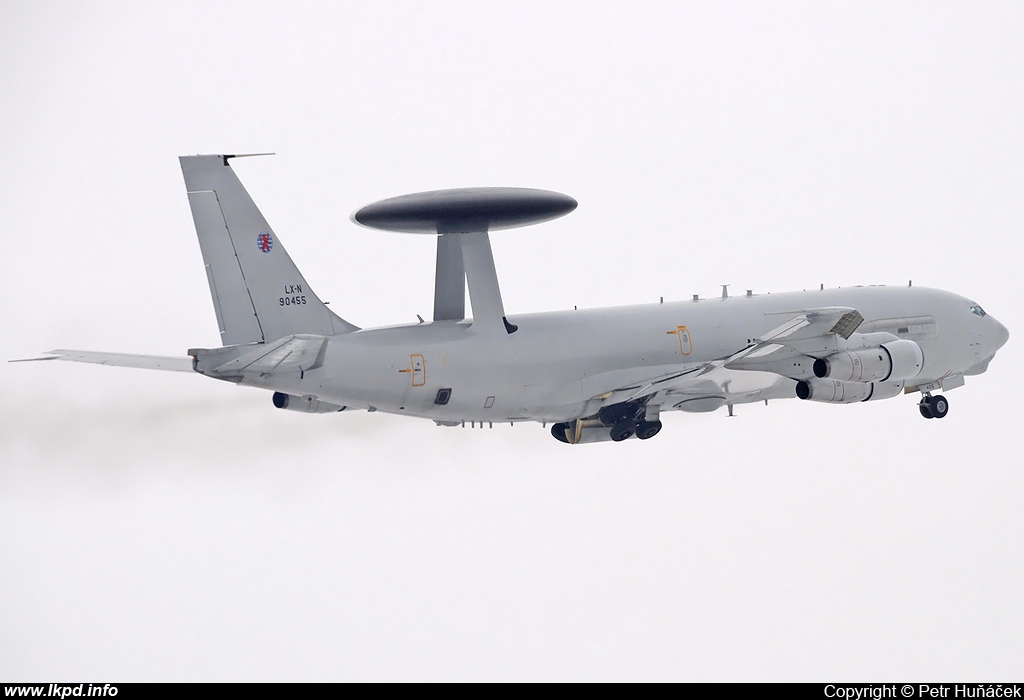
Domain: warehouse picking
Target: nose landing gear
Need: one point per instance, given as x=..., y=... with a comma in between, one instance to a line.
x=934, y=406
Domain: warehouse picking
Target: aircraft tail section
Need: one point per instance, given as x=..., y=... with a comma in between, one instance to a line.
x=259, y=295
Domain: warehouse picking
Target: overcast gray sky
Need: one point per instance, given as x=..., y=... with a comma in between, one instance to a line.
x=166, y=527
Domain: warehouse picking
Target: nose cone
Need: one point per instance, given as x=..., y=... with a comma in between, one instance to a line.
x=1001, y=334
x=994, y=337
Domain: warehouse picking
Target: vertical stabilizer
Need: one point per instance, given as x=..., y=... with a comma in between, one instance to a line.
x=258, y=293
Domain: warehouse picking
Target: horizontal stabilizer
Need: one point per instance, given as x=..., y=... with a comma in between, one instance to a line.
x=294, y=353
x=115, y=359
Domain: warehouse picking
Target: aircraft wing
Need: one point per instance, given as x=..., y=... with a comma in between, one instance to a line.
x=782, y=353
x=115, y=359
x=812, y=332
x=811, y=323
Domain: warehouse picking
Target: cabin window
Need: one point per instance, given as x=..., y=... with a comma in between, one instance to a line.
x=443, y=396
x=978, y=311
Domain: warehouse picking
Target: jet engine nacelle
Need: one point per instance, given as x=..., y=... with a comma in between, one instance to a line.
x=581, y=431
x=304, y=404
x=896, y=360
x=832, y=391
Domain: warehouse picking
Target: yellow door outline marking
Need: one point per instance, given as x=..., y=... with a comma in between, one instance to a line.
x=685, y=341
x=419, y=370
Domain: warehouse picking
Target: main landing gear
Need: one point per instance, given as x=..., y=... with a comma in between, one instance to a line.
x=628, y=419
x=645, y=430
x=617, y=422
x=934, y=406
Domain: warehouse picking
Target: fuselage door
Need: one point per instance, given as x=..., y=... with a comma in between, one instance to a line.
x=685, y=346
x=419, y=370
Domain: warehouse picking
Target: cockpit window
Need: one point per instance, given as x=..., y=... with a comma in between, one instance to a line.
x=978, y=311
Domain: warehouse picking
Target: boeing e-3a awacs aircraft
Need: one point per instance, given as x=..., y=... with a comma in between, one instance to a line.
x=601, y=374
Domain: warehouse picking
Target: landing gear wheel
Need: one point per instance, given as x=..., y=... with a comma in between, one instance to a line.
x=647, y=430
x=939, y=406
x=623, y=430
x=925, y=409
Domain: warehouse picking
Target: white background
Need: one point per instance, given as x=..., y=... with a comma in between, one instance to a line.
x=163, y=526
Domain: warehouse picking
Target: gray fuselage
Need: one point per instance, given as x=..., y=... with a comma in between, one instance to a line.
x=556, y=364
